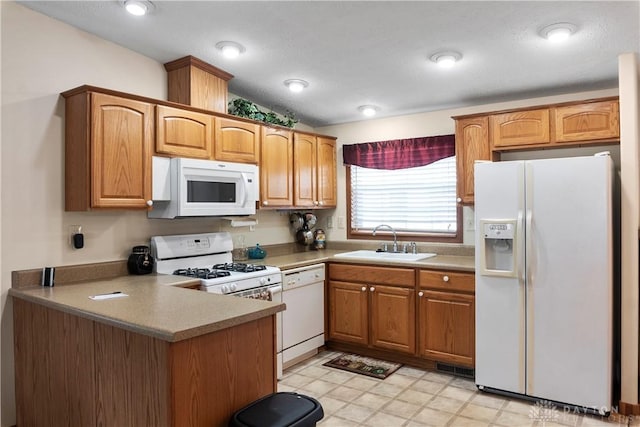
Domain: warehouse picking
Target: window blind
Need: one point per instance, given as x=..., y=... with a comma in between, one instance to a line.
x=420, y=199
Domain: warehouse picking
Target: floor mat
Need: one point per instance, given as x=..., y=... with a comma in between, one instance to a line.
x=363, y=365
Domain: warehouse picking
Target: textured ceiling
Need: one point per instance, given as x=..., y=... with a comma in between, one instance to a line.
x=376, y=52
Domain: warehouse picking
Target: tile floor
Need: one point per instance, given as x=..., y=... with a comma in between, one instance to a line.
x=413, y=397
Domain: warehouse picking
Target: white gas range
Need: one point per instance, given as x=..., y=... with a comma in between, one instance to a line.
x=208, y=257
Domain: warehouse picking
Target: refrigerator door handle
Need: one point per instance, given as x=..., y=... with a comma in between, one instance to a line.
x=520, y=260
x=528, y=248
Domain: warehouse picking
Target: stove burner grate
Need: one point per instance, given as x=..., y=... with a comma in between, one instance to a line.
x=201, y=273
x=240, y=267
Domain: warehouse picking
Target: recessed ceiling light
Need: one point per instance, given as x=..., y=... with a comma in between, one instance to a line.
x=368, y=110
x=296, y=85
x=559, y=32
x=230, y=49
x=446, y=59
x=138, y=7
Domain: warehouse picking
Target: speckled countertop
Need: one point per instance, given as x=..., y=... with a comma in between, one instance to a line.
x=158, y=306
x=170, y=313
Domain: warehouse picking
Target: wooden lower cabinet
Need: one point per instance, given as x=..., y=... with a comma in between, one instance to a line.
x=349, y=312
x=372, y=306
x=447, y=332
x=446, y=319
x=419, y=315
x=393, y=318
x=72, y=371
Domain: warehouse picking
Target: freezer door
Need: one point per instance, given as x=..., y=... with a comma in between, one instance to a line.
x=569, y=289
x=500, y=301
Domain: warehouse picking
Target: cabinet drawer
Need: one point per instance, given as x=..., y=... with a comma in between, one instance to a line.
x=445, y=280
x=367, y=273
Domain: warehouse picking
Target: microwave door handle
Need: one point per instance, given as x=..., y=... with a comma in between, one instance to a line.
x=245, y=180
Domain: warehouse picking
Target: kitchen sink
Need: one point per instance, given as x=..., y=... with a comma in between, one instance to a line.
x=385, y=256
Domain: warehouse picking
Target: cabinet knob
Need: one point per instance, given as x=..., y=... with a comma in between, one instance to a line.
x=265, y=203
x=459, y=200
x=149, y=202
x=372, y=289
x=420, y=294
x=315, y=202
x=321, y=203
x=445, y=278
x=364, y=288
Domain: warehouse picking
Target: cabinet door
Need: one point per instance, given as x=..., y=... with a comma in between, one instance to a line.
x=276, y=168
x=519, y=128
x=121, y=138
x=348, y=312
x=304, y=170
x=183, y=133
x=393, y=318
x=326, y=172
x=447, y=327
x=472, y=143
x=236, y=141
x=584, y=122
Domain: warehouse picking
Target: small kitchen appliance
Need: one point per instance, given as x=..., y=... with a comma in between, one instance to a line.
x=185, y=187
x=209, y=258
x=140, y=261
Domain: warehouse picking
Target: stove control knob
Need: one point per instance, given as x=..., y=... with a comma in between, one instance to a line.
x=233, y=287
x=225, y=289
x=263, y=280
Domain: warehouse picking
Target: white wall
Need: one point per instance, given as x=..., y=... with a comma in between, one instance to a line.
x=42, y=57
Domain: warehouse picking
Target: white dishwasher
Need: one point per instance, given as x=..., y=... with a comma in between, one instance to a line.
x=303, y=320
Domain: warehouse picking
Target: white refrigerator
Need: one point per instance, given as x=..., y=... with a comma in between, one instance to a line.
x=544, y=279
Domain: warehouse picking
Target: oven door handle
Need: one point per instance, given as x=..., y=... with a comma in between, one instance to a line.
x=275, y=290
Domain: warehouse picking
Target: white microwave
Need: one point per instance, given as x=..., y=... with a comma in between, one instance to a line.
x=190, y=187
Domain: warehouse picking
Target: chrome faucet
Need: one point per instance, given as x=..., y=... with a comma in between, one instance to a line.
x=395, y=240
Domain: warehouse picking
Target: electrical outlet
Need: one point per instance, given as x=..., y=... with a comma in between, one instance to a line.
x=330, y=222
x=340, y=222
x=470, y=224
x=73, y=231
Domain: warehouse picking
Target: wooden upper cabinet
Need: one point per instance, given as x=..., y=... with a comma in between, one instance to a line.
x=108, y=142
x=589, y=121
x=304, y=170
x=236, y=141
x=276, y=168
x=472, y=143
x=194, y=82
x=519, y=128
x=183, y=133
x=326, y=172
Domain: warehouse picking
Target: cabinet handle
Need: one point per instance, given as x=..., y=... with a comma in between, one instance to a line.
x=364, y=288
x=149, y=202
x=265, y=203
x=445, y=278
x=372, y=289
x=420, y=294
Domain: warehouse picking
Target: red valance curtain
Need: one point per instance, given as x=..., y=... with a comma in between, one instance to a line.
x=399, y=153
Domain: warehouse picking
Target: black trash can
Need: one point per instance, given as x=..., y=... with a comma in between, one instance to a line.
x=284, y=409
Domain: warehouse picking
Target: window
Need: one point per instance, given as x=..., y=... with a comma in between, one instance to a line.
x=419, y=203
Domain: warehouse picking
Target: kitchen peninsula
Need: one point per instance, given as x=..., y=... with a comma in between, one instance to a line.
x=153, y=355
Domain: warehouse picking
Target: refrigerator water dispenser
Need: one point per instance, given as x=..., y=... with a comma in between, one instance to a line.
x=498, y=251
